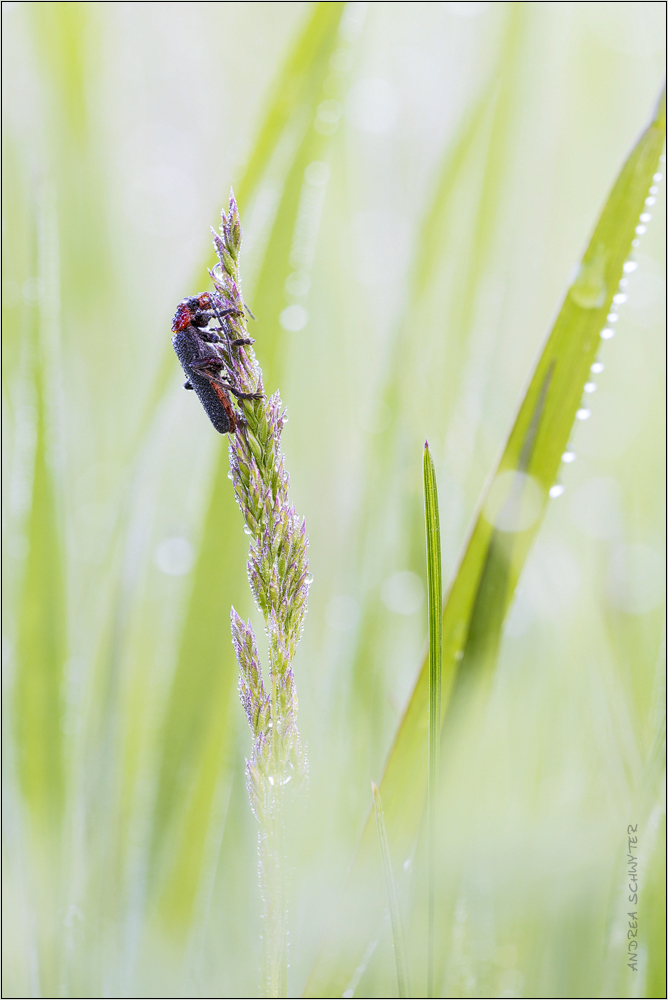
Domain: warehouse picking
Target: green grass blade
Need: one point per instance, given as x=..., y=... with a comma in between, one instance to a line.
x=41, y=640
x=41, y=643
x=392, y=898
x=299, y=82
x=483, y=586
x=197, y=729
x=435, y=671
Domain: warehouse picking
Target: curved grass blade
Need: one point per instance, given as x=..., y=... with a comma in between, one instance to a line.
x=297, y=87
x=435, y=673
x=482, y=588
x=41, y=632
x=392, y=898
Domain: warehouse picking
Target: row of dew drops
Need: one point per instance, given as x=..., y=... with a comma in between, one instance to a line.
x=609, y=331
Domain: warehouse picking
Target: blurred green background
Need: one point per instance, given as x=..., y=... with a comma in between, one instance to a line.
x=417, y=182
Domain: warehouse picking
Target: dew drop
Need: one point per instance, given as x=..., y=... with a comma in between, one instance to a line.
x=568, y=457
x=556, y=491
x=230, y=475
x=641, y=230
x=271, y=779
x=583, y=414
x=654, y=190
x=590, y=387
x=623, y=282
x=657, y=178
x=619, y=298
x=612, y=317
x=635, y=242
x=630, y=266
x=650, y=201
x=607, y=333
x=645, y=217
x=597, y=367
x=589, y=288
x=247, y=530
x=308, y=579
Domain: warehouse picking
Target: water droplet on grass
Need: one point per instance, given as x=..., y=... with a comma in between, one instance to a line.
x=607, y=333
x=308, y=579
x=247, y=530
x=641, y=230
x=650, y=201
x=657, y=177
x=630, y=266
x=597, y=367
x=612, y=317
x=646, y=217
x=654, y=190
x=589, y=288
x=568, y=457
x=590, y=387
x=556, y=491
x=619, y=298
x=583, y=414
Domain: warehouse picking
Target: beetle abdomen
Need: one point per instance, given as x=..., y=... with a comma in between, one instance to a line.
x=190, y=347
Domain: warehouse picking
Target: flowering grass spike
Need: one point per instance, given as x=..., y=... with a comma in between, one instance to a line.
x=279, y=580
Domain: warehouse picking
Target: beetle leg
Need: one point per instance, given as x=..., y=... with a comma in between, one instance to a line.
x=242, y=395
x=205, y=364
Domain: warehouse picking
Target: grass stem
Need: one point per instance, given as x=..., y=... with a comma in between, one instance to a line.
x=392, y=897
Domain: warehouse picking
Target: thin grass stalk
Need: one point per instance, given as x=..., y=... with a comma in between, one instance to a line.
x=279, y=581
x=392, y=897
x=435, y=590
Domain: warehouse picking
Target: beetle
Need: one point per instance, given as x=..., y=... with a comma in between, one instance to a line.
x=195, y=347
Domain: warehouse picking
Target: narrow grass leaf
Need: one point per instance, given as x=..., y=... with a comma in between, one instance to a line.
x=392, y=898
x=495, y=552
x=41, y=641
x=299, y=83
x=41, y=645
